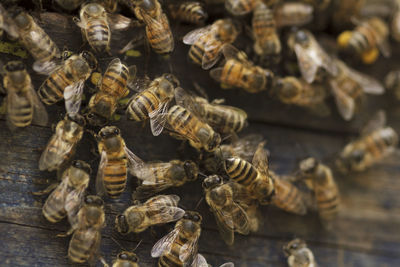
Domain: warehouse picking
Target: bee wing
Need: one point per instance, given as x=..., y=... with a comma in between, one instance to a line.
x=165, y=243
x=100, y=189
x=149, y=20
x=45, y=67
x=225, y=226
x=212, y=52
x=216, y=73
x=73, y=204
x=147, y=190
x=73, y=97
x=344, y=103
x=308, y=67
x=231, y=52
x=166, y=214
x=139, y=84
x=192, y=36
x=8, y=24
x=147, y=171
x=40, y=116
x=245, y=147
x=118, y=22
x=188, y=251
x=199, y=261
x=227, y=264
x=377, y=121
x=55, y=141
x=260, y=159
x=158, y=118
x=134, y=161
x=186, y=100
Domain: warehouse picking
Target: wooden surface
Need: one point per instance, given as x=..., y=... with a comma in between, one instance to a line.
x=365, y=234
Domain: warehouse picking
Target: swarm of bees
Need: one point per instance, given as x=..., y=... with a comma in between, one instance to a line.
x=282, y=56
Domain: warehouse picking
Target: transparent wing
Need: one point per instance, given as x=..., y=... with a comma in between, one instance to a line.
x=260, y=159
x=225, y=227
x=73, y=97
x=186, y=100
x=114, y=62
x=166, y=214
x=378, y=121
x=40, y=116
x=139, y=84
x=189, y=250
x=199, y=261
x=147, y=171
x=147, y=190
x=344, y=103
x=158, y=118
x=8, y=24
x=308, y=67
x=212, y=52
x=152, y=22
x=45, y=67
x=227, y=264
x=216, y=73
x=118, y=22
x=100, y=189
x=73, y=204
x=231, y=52
x=132, y=76
x=165, y=243
x=246, y=147
x=134, y=162
x=47, y=160
x=192, y=36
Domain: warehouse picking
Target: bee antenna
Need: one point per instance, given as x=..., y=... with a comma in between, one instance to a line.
x=202, y=174
x=226, y=137
x=198, y=203
x=119, y=244
x=138, y=244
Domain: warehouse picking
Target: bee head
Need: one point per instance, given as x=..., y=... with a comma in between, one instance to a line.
x=212, y=181
x=21, y=18
x=191, y=170
x=108, y=132
x=286, y=89
x=90, y=59
x=193, y=216
x=121, y=224
x=92, y=200
x=128, y=256
x=146, y=4
x=95, y=119
x=172, y=79
x=78, y=119
x=93, y=10
x=293, y=246
x=79, y=164
x=309, y=165
x=14, y=66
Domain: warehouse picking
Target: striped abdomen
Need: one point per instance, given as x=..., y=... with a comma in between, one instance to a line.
x=115, y=174
x=225, y=120
x=232, y=73
x=82, y=244
x=53, y=208
x=143, y=104
x=263, y=23
x=197, y=52
x=327, y=196
x=161, y=40
x=362, y=39
x=380, y=141
x=288, y=197
x=42, y=47
x=171, y=259
x=20, y=115
x=98, y=34
x=241, y=171
x=114, y=80
x=52, y=89
x=191, y=12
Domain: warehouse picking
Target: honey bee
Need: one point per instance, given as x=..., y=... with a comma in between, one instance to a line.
x=267, y=41
x=157, y=210
x=126, y=259
x=152, y=101
x=310, y=55
x=7, y=24
x=224, y=203
x=184, y=125
x=180, y=246
x=296, y=91
x=67, y=81
x=207, y=42
x=243, y=7
x=254, y=176
x=66, y=199
x=324, y=186
x=299, y=255
x=96, y=25
x=392, y=82
x=158, y=31
x=68, y=5
x=115, y=161
x=293, y=14
x=376, y=142
x=238, y=71
x=158, y=176
x=22, y=102
x=85, y=242
x=222, y=118
x=36, y=41
x=114, y=85
x=62, y=145
x=190, y=12
x=367, y=39
x=201, y=261
x=348, y=88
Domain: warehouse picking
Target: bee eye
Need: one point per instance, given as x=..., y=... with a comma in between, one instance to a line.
x=218, y=179
x=123, y=256
x=76, y=164
x=116, y=131
x=294, y=246
x=88, y=200
x=186, y=216
x=103, y=134
x=196, y=218
x=358, y=156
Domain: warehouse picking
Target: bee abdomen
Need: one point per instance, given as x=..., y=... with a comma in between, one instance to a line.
x=191, y=12
x=359, y=42
x=22, y=113
x=44, y=48
x=241, y=171
x=114, y=80
x=98, y=34
x=115, y=174
x=142, y=105
x=162, y=41
x=196, y=53
x=54, y=210
x=179, y=118
x=327, y=205
x=79, y=247
x=52, y=89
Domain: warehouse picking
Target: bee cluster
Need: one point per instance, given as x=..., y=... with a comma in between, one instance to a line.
x=290, y=64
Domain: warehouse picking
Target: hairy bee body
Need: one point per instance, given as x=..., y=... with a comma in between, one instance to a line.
x=199, y=134
x=392, y=82
x=240, y=7
x=62, y=145
x=126, y=259
x=299, y=255
x=191, y=12
x=293, y=14
x=197, y=51
x=295, y=91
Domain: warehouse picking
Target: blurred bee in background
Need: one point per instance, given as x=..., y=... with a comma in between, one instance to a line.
x=319, y=4
x=375, y=143
x=345, y=11
x=114, y=85
x=222, y=118
x=67, y=197
x=7, y=24
x=296, y=91
x=96, y=25
x=115, y=161
x=318, y=177
x=126, y=259
x=85, y=242
x=207, y=42
x=152, y=101
x=190, y=12
x=293, y=14
x=158, y=31
x=157, y=210
x=243, y=7
x=62, y=145
x=225, y=205
x=180, y=246
x=67, y=81
x=310, y=55
x=23, y=104
x=254, y=176
x=109, y=5
x=395, y=21
x=68, y=5
x=368, y=38
x=299, y=255
x=348, y=88
x=238, y=71
x=392, y=82
x=36, y=41
x=158, y=176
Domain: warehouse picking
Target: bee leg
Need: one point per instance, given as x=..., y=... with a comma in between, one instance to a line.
x=46, y=191
x=103, y=261
x=70, y=231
